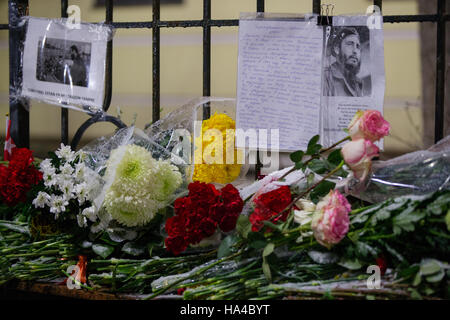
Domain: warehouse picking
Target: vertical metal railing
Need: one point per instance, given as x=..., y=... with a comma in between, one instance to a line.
x=440, y=73
x=156, y=61
x=19, y=107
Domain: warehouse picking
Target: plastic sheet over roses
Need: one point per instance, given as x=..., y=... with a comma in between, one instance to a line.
x=417, y=173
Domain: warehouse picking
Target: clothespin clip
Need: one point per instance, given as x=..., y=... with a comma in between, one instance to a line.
x=326, y=15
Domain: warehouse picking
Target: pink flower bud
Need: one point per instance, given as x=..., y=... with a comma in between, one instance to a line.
x=368, y=125
x=330, y=222
x=358, y=156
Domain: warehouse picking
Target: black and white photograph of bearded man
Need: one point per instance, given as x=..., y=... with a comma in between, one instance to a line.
x=347, y=66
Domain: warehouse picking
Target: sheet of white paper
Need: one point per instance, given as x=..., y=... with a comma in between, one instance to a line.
x=64, y=66
x=339, y=100
x=279, y=79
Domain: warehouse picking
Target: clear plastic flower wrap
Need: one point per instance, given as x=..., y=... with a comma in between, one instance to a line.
x=63, y=62
x=184, y=134
x=140, y=168
x=139, y=176
x=416, y=173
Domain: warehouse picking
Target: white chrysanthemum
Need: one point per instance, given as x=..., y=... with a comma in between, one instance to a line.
x=50, y=178
x=80, y=191
x=80, y=169
x=82, y=221
x=65, y=153
x=46, y=166
x=141, y=185
x=82, y=156
x=58, y=204
x=66, y=170
x=42, y=199
x=67, y=188
x=167, y=180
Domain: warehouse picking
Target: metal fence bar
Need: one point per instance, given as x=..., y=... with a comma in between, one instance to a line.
x=440, y=73
x=18, y=108
x=156, y=61
x=18, y=8
x=206, y=56
x=379, y=4
x=260, y=7
x=109, y=58
x=64, y=111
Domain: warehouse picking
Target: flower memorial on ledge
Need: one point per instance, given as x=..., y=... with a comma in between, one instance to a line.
x=140, y=185
x=294, y=231
x=198, y=215
x=217, y=139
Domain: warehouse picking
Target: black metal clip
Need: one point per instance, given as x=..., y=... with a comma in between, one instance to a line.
x=326, y=17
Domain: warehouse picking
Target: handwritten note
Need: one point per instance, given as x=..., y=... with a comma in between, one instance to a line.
x=279, y=79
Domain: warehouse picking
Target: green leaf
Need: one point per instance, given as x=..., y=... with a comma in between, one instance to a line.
x=268, y=249
x=439, y=205
x=318, y=166
x=313, y=146
x=133, y=249
x=257, y=244
x=243, y=226
x=436, y=277
x=313, y=141
x=321, y=257
x=350, y=264
x=266, y=270
x=102, y=250
x=415, y=294
x=297, y=156
x=364, y=249
x=299, y=165
x=429, y=267
x=417, y=279
x=321, y=190
x=335, y=157
x=86, y=244
x=406, y=220
x=224, y=249
x=314, y=150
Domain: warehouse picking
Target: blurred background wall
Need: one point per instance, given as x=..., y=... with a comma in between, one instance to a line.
x=181, y=65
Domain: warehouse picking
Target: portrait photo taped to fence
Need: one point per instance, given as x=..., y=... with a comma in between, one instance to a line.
x=63, y=61
x=347, y=63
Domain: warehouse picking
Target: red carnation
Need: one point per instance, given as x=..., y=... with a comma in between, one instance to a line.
x=198, y=215
x=18, y=177
x=176, y=244
x=270, y=204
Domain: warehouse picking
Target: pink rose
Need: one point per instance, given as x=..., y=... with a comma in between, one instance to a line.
x=358, y=155
x=368, y=125
x=330, y=221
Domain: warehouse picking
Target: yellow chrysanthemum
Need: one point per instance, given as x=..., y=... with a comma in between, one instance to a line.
x=217, y=139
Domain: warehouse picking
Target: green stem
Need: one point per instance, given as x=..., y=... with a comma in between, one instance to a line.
x=317, y=155
x=200, y=271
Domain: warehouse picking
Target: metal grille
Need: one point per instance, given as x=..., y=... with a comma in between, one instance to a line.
x=20, y=116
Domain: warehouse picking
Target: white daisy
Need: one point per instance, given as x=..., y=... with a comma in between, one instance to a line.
x=58, y=204
x=65, y=153
x=41, y=200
